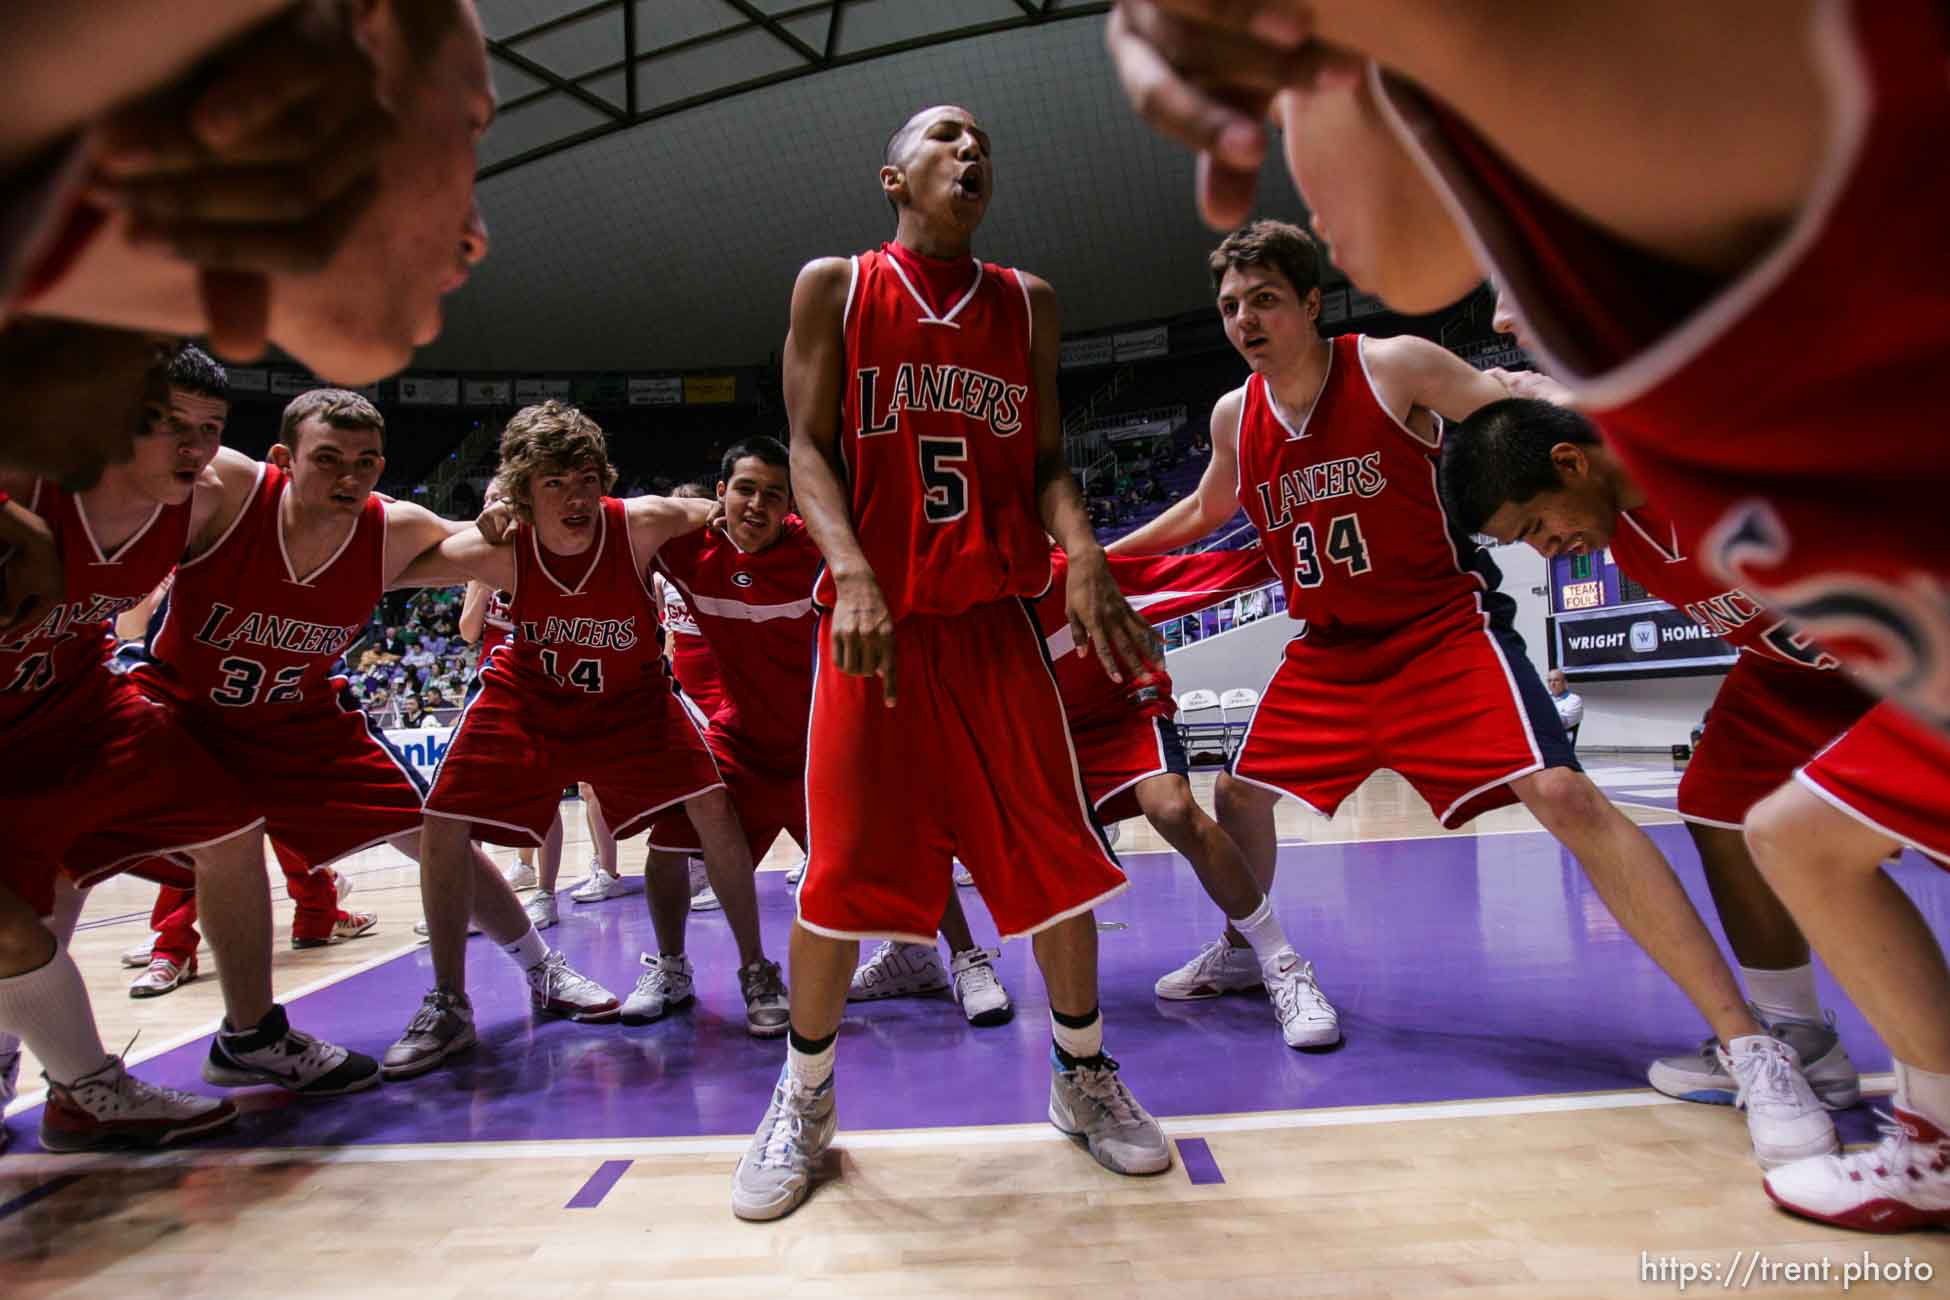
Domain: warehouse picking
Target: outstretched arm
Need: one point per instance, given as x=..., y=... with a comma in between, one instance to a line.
x=473, y=612
x=815, y=377
x=446, y=559
x=655, y=520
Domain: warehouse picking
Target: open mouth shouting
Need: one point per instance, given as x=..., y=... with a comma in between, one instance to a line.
x=971, y=185
x=577, y=522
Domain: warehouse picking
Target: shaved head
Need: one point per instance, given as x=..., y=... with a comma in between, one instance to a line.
x=905, y=133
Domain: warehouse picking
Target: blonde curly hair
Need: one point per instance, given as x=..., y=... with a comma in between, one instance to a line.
x=550, y=438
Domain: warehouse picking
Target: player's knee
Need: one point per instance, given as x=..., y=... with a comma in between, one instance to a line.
x=1566, y=798
x=25, y=944
x=1236, y=798
x=1170, y=807
x=1785, y=832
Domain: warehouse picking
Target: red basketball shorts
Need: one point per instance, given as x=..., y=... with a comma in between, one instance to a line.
x=1120, y=753
x=513, y=754
x=104, y=780
x=325, y=778
x=1889, y=772
x=1450, y=702
x=974, y=761
x=1768, y=719
x=770, y=798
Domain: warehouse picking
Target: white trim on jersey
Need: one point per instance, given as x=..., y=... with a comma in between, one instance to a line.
x=595, y=554
x=1842, y=70
x=1162, y=769
x=284, y=550
x=1239, y=754
x=257, y=485
x=1374, y=392
x=88, y=531
x=1266, y=392
x=1028, y=314
x=115, y=868
x=1529, y=733
x=1670, y=552
x=739, y=609
x=927, y=313
x=1855, y=814
x=1062, y=641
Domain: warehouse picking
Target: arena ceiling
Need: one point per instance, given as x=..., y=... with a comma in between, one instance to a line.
x=660, y=169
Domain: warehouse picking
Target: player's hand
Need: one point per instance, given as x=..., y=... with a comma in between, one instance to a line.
x=1530, y=383
x=1205, y=72
x=496, y=520
x=863, y=634
x=31, y=577
x=1102, y=620
x=256, y=167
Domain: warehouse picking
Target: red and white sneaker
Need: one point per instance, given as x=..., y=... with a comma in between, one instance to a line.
x=349, y=925
x=162, y=976
x=113, y=1108
x=560, y=990
x=1902, y=1182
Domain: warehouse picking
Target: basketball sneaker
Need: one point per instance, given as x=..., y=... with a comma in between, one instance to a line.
x=341, y=884
x=1088, y=1101
x=559, y=989
x=768, y=1009
x=979, y=989
x=703, y=897
x=274, y=1052
x=163, y=976
x=522, y=876
x=113, y=1108
x=775, y=1173
x=1307, y=1018
x=1825, y=1064
x=898, y=970
x=348, y=925
x=542, y=910
x=599, y=887
x=666, y=984
x=1784, y=1119
x=442, y=1026
x=1218, y=968
x=136, y=956
x=1902, y=1182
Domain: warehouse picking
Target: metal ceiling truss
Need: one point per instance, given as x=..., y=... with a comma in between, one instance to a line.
x=741, y=18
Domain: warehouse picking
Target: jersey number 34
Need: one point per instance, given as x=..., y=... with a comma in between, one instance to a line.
x=1345, y=545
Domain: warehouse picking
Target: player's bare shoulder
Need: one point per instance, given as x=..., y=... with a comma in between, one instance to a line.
x=1226, y=414
x=823, y=283
x=222, y=492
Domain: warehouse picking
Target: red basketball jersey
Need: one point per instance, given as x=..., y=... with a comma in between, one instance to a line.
x=691, y=660
x=1787, y=417
x=756, y=612
x=242, y=631
x=1347, y=508
x=938, y=431
x=586, y=631
x=496, y=626
x=1160, y=587
x=1647, y=546
x=39, y=664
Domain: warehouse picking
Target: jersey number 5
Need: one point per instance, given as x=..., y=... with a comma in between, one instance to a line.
x=244, y=678
x=945, y=489
x=1344, y=544
x=587, y=673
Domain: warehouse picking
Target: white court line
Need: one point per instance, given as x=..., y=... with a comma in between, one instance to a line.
x=38, y=1095
x=880, y=1140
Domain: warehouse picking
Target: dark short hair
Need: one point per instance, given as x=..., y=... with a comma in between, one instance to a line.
x=694, y=490
x=193, y=370
x=338, y=407
x=1501, y=455
x=1278, y=244
x=768, y=450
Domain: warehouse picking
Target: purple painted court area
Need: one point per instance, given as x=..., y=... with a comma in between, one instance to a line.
x=1464, y=967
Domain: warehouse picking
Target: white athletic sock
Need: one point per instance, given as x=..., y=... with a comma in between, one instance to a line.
x=1079, y=1044
x=48, y=1007
x=1924, y=1094
x=1264, y=932
x=529, y=951
x=1784, y=994
x=811, y=1069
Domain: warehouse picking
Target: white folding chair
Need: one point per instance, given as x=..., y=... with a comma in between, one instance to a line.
x=1195, y=733
x=1236, y=713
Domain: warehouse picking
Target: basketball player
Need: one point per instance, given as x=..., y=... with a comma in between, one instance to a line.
x=1531, y=471
x=484, y=624
x=282, y=576
x=580, y=691
x=1330, y=447
x=695, y=671
x=1662, y=261
x=927, y=460
x=132, y=783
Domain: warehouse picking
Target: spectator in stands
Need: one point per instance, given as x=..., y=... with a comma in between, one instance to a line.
x=412, y=711
x=1570, y=706
x=391, y=644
